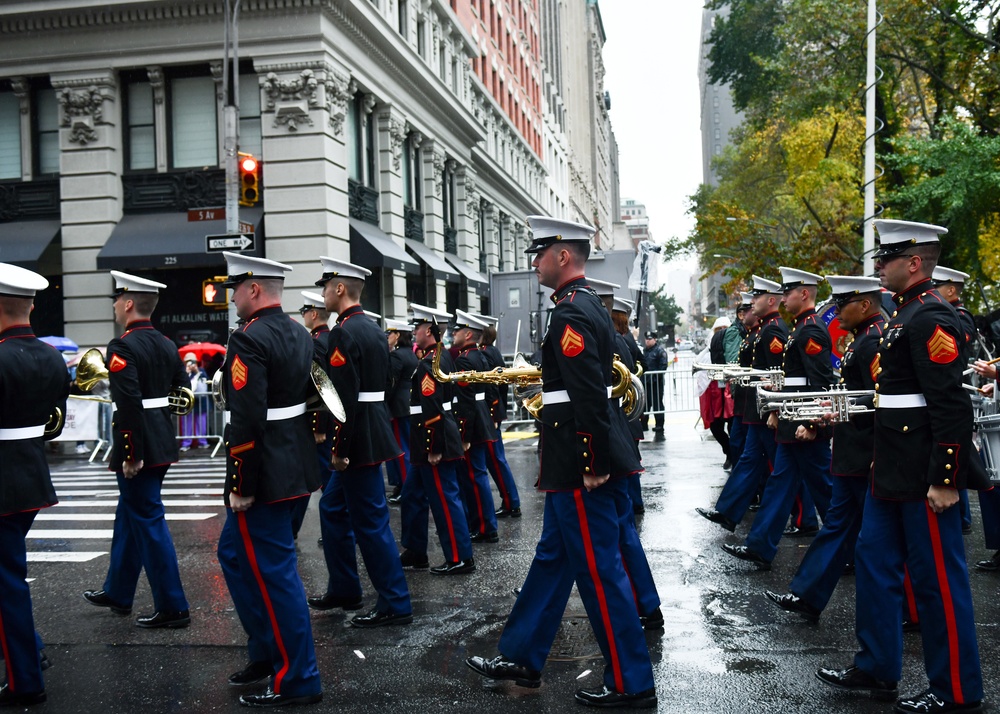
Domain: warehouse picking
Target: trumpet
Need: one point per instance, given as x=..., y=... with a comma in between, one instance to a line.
x=326, y=396
x=747, y=376
x=840, y=402
x=717, y=372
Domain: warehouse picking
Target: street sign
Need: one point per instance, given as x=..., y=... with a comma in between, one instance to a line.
x=239, y=241
x=206, y=214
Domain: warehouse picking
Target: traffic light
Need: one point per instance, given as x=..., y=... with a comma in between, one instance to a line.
x=213, y=293
x=249, y=180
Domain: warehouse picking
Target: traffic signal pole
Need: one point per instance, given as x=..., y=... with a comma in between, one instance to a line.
x=231, y=121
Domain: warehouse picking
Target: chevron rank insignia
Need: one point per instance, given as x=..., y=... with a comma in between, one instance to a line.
x=813, y=347
x=776, y=346
x=427, y=385
x=117, y=364
x=239, y=374
x=875, y=366
x=337, y=358
x=941, y=347
x=571, y=342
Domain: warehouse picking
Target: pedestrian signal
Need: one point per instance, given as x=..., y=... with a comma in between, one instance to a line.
x=249, y=180
x=213, y=293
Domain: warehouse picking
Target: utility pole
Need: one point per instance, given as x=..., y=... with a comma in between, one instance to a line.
x=870, y=131
x=231, y=121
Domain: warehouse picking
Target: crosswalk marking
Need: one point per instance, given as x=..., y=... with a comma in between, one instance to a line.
x=68, y=534
x=75, y=557
x=169, y=503
x=111, y=516
x=163, y=492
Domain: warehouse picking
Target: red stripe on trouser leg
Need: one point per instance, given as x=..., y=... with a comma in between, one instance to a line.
x=6, y=656
x=447, y=514
x=909, y=599
x=401, y=458
x=602, y=601
x=475, y=492
x=947, y=605
x=504, y=497
x=279, y=642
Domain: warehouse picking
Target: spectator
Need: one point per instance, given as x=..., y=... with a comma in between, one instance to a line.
x=656, y=363
x=195, y=422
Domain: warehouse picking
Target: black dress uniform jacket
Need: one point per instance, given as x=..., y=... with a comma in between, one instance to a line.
x=475, y=423
x=918, y=447
x=578, y=437
x=807, y=354
x=267, y=367
x=496, y=394
x=854, y=440
x=969, y=331
x=34, y=382
x=402, y=367
x=745, y=359
x=768, y=352
x=358, y=361
x=320, y=420
x=143, y=364
x=433, y=429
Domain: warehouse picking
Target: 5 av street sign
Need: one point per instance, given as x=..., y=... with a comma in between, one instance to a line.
x=238, y=241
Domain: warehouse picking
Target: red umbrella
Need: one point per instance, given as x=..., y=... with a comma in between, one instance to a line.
x=202, y=350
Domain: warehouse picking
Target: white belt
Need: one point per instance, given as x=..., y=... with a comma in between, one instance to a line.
x=560, y=396
x=481, y=397
x=796, y=381
x=417, y=409
x=900, y=401
x=371, y=396
x=24, y=432
x=157, y=403
x=282, y=413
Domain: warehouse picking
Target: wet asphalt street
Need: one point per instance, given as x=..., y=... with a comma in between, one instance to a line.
x=724, y=648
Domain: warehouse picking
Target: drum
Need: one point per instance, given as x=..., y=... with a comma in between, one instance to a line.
x=988, y=438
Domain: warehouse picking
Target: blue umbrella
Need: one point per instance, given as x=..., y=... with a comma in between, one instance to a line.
x=63, y=344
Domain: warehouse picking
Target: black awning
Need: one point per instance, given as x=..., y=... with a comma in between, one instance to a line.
x=23, y=242
x=476, y=280
x=372, y=248
x=437, y=265
x=148, y=241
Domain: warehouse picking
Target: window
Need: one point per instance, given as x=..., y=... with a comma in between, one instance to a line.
x=501, y=241
x=250, y=135
x=448, y=206
x=361, y=143
x=412, y=195
x=421, y=39
x=193, y=119
x=10, y=136
x=47, y=131
x=401, y=23
x=140, y=134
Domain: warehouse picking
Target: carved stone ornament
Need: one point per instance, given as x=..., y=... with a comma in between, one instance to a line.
x=397, y=134
x=438, y=162
x=156, y=83
x=472, y=199
x=337, y=88
x=22, y=90
x=82, y=110
x=291, y=99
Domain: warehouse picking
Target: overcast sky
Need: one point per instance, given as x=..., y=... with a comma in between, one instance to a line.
x=651, y=62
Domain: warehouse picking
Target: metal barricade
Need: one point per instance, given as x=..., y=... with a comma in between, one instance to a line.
x=202, y=427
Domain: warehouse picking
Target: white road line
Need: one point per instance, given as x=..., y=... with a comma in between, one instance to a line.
x=111, y=516
x=78, y=557
x=164, y=492
x=66, y=534
x=84, y=503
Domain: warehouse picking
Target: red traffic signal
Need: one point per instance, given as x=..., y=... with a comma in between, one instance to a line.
x=213, y=293
x=249, y=180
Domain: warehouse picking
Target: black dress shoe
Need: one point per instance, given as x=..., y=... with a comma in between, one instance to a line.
x=43, y=660
x=804, y=532
x=652, y=621
x=270, y=699
x=19, y=699
x=414, y=561
x=928, y=703
x=508, y=512
x=754, y=504
x=181, y=618
x=375, y=618
x=848, y=569
x=253, y=673
x=727, y=465
x=101, y=599
x=793, y=603
x=394, y=500
x=609, y=698
x=459, y=568
x=716, y=517
x=491, y=537
x=329, y=602
x=991, y=564
x=499, y=668
x=638, y=509
x=856, y=680
x=744, y=553
x=966, y=530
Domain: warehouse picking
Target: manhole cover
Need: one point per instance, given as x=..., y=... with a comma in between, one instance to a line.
x=574, y=640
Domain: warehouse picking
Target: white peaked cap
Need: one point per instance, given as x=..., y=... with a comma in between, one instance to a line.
x=373, y=315
x=895, y=236
x=746, y=299
x=793, y=278
x=20, y=282
x=488, y=319
x=340, y=268
x=397, y=325
x=623, y=305
x=853, y=285
x=949, y=275
x=602, y=287
x=313, y=300
x=241, y=267
x=422, y=313
x=545, y=231
x=125, y=283
x=465, y=319
x=763, y=286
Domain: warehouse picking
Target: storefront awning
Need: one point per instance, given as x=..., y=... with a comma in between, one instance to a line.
x=372, y=248
x=438, y=266
x=477, y=281
x=23, y=242
x=147, y=241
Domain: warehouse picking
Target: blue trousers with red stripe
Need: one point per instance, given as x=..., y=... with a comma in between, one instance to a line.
x=580, y=543
x=989, y=508
x=833, y=547
x=141, y=540
x=396, y=469
x=257, y=555
x=748, y=473
x=806, y=462
x=930, y=544
x=640, y=576
x=19, y=643
x=353, y=509
x=436, y=486
x=496, y=463
x=479, y=508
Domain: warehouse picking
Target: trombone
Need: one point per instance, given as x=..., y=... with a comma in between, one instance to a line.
x=838, y=404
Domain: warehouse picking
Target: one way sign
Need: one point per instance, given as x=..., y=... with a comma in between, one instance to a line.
x=238, y=241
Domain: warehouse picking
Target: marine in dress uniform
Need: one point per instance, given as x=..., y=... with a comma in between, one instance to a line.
x=759, y=449
x=353, y=506
x=402, y=366
x=803, y=453
x=580, y=452
x=923, y=443
x=475, y=424
x=143, y=366
x=631, y=355
x=436, y=455
x=316, y=318
x=858, y=302
x=746, y=321
x=34, y=383
x=270, y=464
x=496, y=399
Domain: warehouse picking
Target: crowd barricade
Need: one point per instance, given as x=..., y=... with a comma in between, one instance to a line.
x=202, y=427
